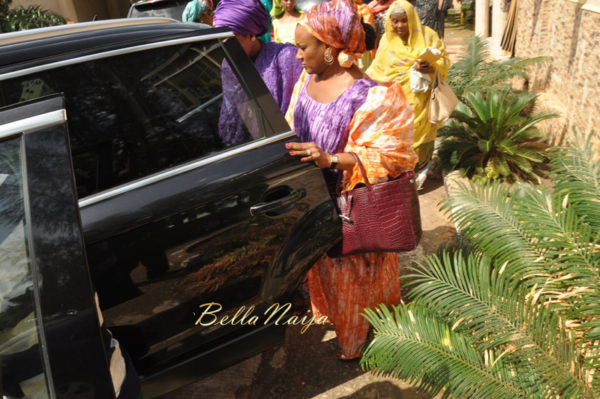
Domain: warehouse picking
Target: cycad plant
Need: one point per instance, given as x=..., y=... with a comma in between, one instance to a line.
x=519, y=315
x=20, y=18
x=475, y=72
x=488, y=137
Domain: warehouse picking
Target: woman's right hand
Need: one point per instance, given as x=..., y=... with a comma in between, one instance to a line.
x=424, y=67
x=312, y=152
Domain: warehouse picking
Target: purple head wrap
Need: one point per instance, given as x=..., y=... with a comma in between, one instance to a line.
x=243, y=17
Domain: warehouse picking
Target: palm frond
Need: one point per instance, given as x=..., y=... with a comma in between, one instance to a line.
x=476, y=73
x=527, y=293
x=562, y=238
x=576, y=174
x=500, y=315
x=535, y=119
x=484, y=214
x=412, y=343
x=494, y=124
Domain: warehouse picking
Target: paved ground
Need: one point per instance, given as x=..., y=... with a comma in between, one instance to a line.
x=456, y=35
x=305, y=366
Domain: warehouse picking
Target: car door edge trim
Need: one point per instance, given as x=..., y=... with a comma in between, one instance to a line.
x=33, y=122
x=180, y=169
x=112, y=53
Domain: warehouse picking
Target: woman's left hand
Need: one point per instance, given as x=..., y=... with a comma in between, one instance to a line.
x=310, y=152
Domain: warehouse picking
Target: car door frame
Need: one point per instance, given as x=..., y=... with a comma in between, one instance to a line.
x=70, y=336
x=269, y=151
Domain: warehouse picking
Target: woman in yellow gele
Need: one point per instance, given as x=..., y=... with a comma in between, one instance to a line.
x=408, y=48
x=285, y=16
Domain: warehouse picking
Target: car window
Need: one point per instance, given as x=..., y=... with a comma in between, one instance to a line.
x=140, y=113
x=20, y=325
x=168, y=9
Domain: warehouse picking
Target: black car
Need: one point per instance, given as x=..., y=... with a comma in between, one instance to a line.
x=158, y=8
x=114, y=179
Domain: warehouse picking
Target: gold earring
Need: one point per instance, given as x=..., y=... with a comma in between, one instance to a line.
x=328, y=57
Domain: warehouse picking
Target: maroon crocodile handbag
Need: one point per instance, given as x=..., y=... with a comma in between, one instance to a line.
x=382, y=217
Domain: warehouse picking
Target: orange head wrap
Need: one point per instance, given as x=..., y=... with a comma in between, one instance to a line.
x=336, y=24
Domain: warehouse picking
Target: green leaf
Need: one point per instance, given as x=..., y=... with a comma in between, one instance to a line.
x=412, y=343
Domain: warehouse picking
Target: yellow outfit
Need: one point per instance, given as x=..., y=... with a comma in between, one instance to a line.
x=284, y=32
x=393, y=61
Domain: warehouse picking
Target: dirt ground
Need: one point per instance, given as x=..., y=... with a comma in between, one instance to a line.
x=305, y=366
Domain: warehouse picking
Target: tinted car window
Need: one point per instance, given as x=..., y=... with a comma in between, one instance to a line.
x=168, y=9
x=19, y=323
x=140, y=113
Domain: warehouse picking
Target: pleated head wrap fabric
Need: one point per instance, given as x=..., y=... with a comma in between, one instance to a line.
x=336, y=24
x=243, y=17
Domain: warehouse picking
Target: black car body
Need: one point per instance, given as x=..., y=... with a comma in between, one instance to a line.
x=113, y=179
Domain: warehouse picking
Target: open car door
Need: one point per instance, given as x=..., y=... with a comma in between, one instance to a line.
x=50, y=338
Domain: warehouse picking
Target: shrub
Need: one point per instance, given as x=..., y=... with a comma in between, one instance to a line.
x=475, y=73
x=488, y=138
x=26, y=17
x=519, y=316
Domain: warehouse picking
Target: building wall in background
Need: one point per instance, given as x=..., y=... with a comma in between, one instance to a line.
x=569, y=32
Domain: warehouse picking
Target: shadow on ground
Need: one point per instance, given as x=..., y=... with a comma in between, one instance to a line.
x=383, y=390
x=314, y=372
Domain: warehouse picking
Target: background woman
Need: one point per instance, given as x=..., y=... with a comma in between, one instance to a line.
x=432, y=13
x=266, y=37
x=276, y=63
x=379, y=8
x=404, y=40
x=198, y=11
x=335, y=110
x=368, y=21
x=285, y=15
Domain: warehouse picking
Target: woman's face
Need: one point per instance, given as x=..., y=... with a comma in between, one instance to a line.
x=310, y=51
x=288, y=5
x=400, y=25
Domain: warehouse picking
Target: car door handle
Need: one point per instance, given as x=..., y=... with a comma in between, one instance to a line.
x=278, y=206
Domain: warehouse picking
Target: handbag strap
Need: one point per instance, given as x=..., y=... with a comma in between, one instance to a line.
x=436, y=80
x=362, y=170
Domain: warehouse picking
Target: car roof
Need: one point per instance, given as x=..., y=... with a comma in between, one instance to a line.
x=33, y=47
x=60, y=30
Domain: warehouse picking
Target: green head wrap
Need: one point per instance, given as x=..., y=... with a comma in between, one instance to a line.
x=194, y=10
x=278, y=10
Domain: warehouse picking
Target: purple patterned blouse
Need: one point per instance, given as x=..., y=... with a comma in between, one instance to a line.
x=328, y=124
x=277, y=65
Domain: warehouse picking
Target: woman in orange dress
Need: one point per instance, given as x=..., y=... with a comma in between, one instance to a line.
x=335, y=109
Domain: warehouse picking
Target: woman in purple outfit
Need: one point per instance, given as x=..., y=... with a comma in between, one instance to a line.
x=276, y=63
x=336, y=111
